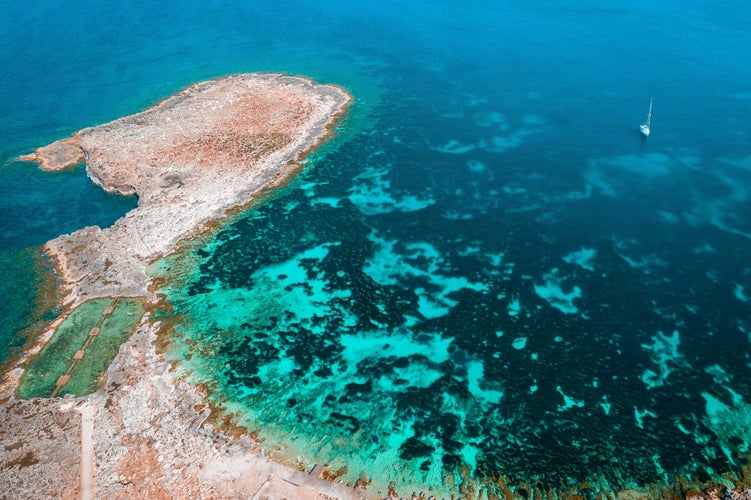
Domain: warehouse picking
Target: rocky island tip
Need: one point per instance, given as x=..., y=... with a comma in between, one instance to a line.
x=189, y=159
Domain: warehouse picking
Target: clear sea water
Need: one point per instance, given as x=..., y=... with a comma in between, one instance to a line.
x=490, y=274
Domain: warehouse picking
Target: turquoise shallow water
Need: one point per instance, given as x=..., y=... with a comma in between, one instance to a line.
x=492, y=273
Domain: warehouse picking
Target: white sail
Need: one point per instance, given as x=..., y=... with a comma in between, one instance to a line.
x=644, y=127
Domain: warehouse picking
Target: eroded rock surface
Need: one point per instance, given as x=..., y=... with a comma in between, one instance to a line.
x=189, y=159
x=145, y=434
x=40, y=446
x=149, y=437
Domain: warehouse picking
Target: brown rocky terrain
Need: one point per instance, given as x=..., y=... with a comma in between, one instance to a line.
x=190, y=159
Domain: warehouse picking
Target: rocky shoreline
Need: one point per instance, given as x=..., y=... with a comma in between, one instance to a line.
x=191, y=159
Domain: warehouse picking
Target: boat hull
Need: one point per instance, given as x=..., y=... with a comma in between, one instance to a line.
x=644, y=129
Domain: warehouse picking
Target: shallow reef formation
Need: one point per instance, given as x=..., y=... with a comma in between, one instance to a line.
x=130, y=419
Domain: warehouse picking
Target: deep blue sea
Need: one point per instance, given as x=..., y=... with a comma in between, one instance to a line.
x=490, y=273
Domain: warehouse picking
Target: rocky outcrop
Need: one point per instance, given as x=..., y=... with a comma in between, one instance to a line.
x=189, y=159
x=206, y=150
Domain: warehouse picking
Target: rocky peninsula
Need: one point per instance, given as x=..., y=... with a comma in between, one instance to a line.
x=191, y=159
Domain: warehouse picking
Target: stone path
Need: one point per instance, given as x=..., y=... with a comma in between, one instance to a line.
x=88, y=413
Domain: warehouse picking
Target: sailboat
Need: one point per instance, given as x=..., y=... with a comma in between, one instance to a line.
x=644, y=127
